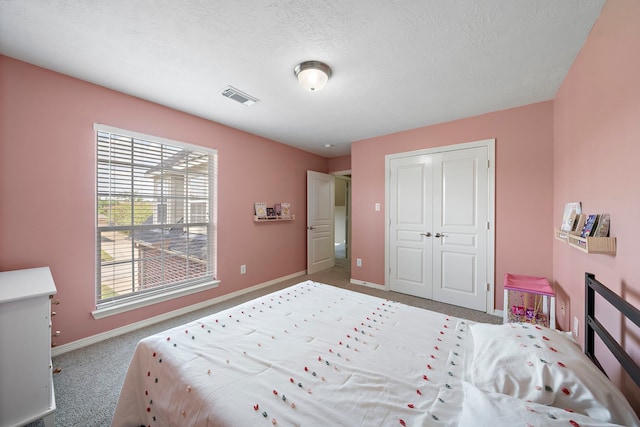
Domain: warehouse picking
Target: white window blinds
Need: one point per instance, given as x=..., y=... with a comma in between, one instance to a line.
x=155, y=215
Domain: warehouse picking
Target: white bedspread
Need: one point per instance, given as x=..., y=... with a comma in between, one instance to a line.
x=317, y=355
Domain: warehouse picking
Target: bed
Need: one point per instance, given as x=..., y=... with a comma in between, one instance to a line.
x=317, y=355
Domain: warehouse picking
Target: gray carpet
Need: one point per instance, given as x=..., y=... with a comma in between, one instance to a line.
x=89, y=383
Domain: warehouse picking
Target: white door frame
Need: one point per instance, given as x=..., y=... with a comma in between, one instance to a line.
x=490, y=144
x=346, y=176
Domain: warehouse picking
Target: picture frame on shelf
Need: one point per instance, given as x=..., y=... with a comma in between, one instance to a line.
x=286, y=210
x=261, y=209
x=278, y=209
x=271, y=213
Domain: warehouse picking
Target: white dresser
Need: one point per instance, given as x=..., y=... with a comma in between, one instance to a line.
x=26, y=383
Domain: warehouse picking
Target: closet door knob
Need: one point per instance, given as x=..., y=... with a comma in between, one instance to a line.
x=426, y=234
x=439, y=235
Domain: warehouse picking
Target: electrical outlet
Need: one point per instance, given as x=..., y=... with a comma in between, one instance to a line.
x=576, y=323
x=358, y=262
x=243, y=269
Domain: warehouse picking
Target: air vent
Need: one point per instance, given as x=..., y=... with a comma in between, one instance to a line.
x=237, y=95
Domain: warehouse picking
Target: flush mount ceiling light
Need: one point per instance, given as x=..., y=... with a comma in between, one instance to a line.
x=312, y=75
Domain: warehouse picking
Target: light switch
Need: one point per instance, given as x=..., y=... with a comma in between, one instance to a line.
x=377, y=207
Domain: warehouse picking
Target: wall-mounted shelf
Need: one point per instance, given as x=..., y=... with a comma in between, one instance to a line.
x=257, y=218
x=590, y=245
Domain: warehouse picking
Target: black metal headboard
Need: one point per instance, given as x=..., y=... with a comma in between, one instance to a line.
x=593, y=326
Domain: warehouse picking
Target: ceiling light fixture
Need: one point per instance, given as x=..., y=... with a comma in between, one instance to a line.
x=312, y=75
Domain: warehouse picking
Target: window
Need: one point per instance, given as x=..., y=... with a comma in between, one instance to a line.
x=155, y=219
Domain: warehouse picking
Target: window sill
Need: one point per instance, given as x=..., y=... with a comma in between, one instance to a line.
x=122, y=307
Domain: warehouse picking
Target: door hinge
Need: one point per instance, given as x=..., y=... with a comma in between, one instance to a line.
x=488, y=225
x=488, y=287
x=488, y=164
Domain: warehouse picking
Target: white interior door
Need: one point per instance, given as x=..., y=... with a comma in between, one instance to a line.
x=439, y=205
x=320, y=221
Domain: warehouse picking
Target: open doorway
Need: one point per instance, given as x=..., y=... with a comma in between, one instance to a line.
x=342, y=220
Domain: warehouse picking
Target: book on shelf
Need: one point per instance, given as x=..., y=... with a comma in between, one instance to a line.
x=571, y=211
x=590, y=225
x=579, y=223
x=602, y=230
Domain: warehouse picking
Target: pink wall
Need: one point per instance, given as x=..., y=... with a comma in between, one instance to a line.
x=47, y=190
x=583, y=146
x=597, y=151
x=524, y=188
x=340, y=164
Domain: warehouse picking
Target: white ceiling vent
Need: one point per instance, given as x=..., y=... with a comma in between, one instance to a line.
x=238, y=95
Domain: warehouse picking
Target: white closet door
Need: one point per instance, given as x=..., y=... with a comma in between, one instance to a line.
x=438, y=226
x=460, y=218
x=410, y=213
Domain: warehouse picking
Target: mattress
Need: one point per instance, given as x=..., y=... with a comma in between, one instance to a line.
x=314, y=354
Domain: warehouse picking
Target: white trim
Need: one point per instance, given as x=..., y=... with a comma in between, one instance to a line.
x=367, y=284
x=497, y=313
x=491, y=218
x=442, y=148
x=139, y=302
x=138, y=135
x=65, y=348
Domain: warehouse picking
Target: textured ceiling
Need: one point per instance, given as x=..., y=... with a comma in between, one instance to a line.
x=397, y=64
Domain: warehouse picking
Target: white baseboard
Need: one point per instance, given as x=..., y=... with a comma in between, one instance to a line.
x=368, y=284
x=497, y=313
x=64, y=348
